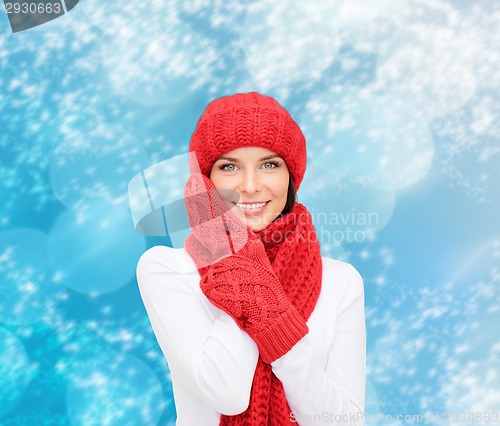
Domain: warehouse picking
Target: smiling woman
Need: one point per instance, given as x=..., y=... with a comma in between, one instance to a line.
x=257, y=327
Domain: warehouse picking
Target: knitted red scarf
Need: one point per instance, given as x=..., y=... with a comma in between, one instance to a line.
x=293, y=249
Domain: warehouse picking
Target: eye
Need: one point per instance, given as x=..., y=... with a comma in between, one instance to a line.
x=223, y=167
x=274, y=164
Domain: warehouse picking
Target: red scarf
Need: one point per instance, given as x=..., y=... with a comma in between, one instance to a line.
x=293, y=249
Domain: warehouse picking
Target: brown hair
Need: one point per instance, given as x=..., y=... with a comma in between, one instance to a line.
x=291, y=198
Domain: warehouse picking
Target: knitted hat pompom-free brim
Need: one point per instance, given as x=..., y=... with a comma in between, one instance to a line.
x=249, y=119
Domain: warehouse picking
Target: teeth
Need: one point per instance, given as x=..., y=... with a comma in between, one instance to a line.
x=251, y=206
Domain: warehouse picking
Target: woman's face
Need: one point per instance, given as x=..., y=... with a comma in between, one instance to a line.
x=259, y=176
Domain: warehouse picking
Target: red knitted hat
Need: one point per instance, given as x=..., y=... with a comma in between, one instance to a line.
x=248, y=119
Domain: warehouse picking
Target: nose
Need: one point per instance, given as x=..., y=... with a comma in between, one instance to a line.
x=250, y=182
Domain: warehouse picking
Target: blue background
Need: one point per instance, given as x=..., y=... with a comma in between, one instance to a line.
x=399, y=105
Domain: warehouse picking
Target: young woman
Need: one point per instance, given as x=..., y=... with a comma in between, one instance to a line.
x=256, y=326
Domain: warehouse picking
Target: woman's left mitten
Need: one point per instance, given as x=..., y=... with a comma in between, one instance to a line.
x=253, y=296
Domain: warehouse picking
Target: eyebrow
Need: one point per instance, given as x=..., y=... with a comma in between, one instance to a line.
x=235, y=160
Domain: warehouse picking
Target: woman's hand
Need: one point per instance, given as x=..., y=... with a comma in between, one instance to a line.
x=214, y=224
x=249, y=291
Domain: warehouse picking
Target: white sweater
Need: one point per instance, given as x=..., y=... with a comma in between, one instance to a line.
x=212, y=361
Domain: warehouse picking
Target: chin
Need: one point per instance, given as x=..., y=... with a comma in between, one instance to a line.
x=257, y=226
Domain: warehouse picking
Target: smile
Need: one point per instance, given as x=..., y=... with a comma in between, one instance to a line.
x=252, y=209
x=254, y=206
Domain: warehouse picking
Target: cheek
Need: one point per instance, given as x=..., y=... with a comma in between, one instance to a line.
x=280, y=192
x=217, y=179
x=280, y=188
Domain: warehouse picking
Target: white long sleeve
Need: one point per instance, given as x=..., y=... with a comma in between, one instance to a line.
x=336, y=393
x=204, y=348
x=212, y=361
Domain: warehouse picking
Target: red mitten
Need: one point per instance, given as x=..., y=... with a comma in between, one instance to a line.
x=246, y=287
x=214, y=225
